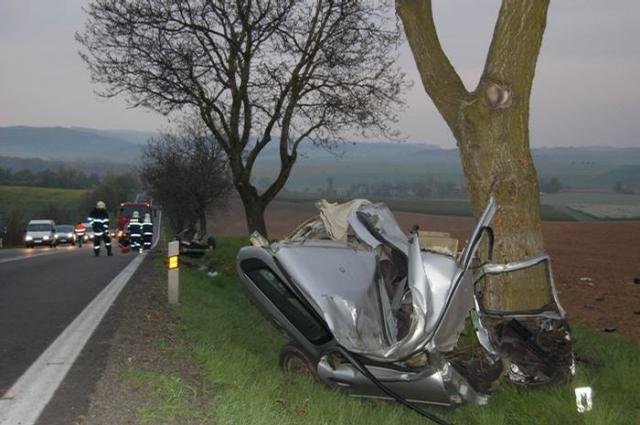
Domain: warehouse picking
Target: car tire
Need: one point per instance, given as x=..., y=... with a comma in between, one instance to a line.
x=294, y=360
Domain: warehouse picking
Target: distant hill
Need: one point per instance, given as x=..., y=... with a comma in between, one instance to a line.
x=349, y=163
x=86, y=166
x=132, y=136
x=67, y=144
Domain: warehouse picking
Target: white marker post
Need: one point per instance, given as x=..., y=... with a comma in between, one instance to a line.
x=173, y=277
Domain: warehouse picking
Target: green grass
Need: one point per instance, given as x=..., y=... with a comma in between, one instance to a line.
x=237, y=351
x=173, y=399
x=33, y=200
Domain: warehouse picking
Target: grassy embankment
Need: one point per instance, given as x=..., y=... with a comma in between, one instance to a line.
x=237, y=351
x=34, y=200
x=19, y=204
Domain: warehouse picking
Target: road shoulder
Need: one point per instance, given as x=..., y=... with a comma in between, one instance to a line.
x=115, y=378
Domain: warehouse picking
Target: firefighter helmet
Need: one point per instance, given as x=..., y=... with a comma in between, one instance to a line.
x=101, y=205
x=147, y=218
x=136, y=214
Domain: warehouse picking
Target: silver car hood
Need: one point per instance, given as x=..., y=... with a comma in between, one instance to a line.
x=39, y=234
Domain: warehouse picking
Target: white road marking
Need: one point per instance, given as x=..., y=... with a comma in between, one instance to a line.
x=23, y=403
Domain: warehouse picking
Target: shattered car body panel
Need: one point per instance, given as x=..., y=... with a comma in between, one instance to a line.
x=351, y=280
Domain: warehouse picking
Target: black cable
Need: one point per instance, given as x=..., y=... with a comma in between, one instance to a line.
x=397, y=397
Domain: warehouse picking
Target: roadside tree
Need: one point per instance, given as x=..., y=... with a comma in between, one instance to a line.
x=187, y=173
x=257, y=73
x=491, y=127
x=112, y=189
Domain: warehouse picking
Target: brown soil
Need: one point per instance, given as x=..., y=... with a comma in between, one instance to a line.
x=607, y=254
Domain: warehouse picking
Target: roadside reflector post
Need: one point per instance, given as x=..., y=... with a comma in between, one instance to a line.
x=173, y=278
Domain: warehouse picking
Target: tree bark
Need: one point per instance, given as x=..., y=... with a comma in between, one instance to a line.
x=255, y=218
x=491, y=127
x=203, y=223
x=254, y=208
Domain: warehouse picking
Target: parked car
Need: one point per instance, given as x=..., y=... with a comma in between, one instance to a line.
x=40, y=232
x=65, y=234
x=373, y=311
x=88, y=236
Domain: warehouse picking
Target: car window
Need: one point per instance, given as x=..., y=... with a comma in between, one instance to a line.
x=41, y=227
x=287, y=302
x=64, y=228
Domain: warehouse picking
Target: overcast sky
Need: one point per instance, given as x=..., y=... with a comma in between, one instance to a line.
x=586, y=90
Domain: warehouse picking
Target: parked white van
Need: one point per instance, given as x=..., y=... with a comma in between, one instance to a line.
x=40, y=232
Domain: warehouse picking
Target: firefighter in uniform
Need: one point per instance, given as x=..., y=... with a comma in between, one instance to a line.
x=99, y=219
x=80, y=231
x=135, y=232
x=147, y=231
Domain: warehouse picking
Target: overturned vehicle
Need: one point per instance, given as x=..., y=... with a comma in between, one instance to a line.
x=386, y=315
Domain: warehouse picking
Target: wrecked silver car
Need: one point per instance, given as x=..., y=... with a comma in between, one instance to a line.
x=379, y=313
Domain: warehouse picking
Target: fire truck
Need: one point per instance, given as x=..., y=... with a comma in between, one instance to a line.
x=125, y=212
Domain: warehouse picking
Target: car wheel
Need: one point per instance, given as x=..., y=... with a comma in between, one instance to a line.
x=294, y=360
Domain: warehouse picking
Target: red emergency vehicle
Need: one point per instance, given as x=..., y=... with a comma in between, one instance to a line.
x=125, y=212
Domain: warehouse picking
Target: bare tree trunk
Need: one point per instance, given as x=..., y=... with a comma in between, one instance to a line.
x=255, y=218
x=254, y=208
x=203, y=223
x=491, y=127
x=494, y=147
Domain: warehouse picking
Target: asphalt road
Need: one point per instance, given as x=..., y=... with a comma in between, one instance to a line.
x=41, y=292
x=9, y=254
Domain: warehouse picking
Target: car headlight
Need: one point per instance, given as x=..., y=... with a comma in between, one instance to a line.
x=28, y=238
x=69, y=235
x=57, y=236
x=45, y=238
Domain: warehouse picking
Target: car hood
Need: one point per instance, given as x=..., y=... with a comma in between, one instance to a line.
x=38, y=234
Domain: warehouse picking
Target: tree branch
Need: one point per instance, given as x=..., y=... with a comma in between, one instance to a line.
x=439, y=78
x=515, y=46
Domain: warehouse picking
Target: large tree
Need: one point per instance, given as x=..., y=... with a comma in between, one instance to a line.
x=491, y=127
x=257, y=72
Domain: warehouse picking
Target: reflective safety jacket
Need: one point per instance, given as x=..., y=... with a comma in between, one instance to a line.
x=134, y=228
x=80, y=229
x=99, y=221
x=147, y=229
